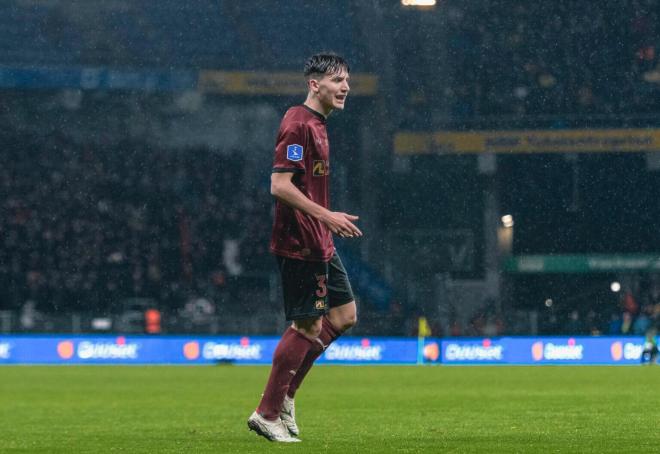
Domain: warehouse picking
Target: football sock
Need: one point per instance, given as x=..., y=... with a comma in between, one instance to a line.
x=328, y=335
x=288, y=357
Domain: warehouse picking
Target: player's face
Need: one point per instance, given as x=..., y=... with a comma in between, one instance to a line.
x=333, y=90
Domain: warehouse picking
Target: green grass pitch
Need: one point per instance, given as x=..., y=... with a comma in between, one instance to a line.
x=139, y=409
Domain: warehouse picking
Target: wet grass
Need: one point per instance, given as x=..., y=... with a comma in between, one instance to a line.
x=77, y=409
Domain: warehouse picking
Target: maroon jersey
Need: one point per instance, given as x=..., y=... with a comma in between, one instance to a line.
x=302, y=148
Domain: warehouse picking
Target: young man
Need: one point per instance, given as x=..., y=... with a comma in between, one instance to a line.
x=317, y=294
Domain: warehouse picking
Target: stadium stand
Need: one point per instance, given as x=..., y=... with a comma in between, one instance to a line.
x=113, y=220
x=567, y=61
x=86, y=227
x=170, y=34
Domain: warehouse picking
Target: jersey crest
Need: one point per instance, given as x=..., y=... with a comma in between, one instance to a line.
x=294, y=152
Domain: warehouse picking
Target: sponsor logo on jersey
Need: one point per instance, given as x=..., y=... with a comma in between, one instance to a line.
x=571, y=350
x=353, y=352
x=320, y=169
x=294, y=152
x=5, y=350
x=243, y=350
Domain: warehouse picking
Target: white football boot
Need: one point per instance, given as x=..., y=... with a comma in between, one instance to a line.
x=288, y=416
x=272, y=430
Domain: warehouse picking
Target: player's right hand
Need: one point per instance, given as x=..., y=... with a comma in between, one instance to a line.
x=341, y=224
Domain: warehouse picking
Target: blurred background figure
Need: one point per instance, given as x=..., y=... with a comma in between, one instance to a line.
x=650, y=352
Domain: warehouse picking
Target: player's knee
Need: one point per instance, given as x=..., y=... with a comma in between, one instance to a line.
x=346, y=320
x=349, y=321
x=343, y=317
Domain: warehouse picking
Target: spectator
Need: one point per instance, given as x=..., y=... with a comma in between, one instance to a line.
x=643, y=321
x=574, y=325
x=102, y=225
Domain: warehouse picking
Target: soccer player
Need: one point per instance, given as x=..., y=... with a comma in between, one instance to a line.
x=317, y=293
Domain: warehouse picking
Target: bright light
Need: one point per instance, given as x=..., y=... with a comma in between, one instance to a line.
x=101, y=323
x=615, y=286
x=507, y=221
x=418, y=2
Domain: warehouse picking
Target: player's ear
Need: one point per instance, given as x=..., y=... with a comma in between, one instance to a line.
x=313, y=85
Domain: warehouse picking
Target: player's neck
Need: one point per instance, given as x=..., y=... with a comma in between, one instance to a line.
x=316, y=106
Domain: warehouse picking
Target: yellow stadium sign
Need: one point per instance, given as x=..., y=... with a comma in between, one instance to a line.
x=531, y=141
x=273, y=83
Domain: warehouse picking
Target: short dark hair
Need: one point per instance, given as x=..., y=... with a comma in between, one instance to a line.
x=325, y=63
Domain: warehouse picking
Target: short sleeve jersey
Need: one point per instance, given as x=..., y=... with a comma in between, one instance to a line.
x=302, y=148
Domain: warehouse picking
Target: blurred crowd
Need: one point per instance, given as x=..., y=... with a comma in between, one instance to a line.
x=84, y=228
x=159, y=34
x=639, y=308
x=635, y=311
x=88, y=227
x=562, y=57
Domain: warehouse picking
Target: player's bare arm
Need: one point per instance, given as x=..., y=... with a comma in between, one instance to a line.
x=339, y=223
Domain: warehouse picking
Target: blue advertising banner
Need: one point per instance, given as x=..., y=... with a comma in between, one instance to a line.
x=371, y=350
x=536, y=350
x=191, y=350
x=27, y=349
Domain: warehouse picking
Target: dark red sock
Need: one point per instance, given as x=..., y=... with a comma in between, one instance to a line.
x=288, y=356
x=328, y=335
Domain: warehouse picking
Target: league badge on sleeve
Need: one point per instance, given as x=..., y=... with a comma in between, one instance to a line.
x=294, y=152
